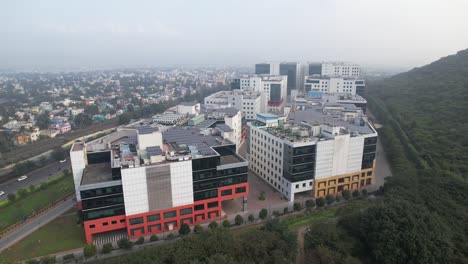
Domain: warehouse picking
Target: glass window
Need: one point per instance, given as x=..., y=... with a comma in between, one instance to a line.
x=170, y=214
x=186, y=211
x=136, y=221
x=152, y=218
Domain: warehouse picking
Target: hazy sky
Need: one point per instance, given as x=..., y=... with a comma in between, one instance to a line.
x=153, y=33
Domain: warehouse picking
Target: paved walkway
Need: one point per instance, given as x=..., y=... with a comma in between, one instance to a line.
x=35, y=223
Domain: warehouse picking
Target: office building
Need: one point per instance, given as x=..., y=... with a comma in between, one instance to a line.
x=249, y=102
x=141, y=181
x=267, y=68
x=295, y=73
x=326, y=84
x=334, y=69
x=321, y=150
x=304, y=100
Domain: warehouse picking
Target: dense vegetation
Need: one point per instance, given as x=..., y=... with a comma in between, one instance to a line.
x=273, y=243
x=424, y=215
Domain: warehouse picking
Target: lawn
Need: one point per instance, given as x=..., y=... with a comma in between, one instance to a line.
x=296, y=222
x=59, y=235
x=13, y=212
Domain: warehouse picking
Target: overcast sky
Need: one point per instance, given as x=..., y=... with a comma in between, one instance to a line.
x=407, y=33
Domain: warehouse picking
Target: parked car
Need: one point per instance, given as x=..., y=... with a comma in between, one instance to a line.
x=22, y=178
x=2, y=193
x=64, y=160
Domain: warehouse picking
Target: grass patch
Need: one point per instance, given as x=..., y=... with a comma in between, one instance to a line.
x=59, y=235
x=13, y=212
x=302, y=220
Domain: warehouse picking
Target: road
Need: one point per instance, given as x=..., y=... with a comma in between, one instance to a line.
x=35, y=223
x=35, y=178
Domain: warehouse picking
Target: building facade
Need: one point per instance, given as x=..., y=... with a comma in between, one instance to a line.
x=143, y=182
x=333, y=85
x=249, y=102
x=317, y=151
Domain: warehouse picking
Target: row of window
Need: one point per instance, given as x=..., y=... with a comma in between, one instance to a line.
x=107, y=223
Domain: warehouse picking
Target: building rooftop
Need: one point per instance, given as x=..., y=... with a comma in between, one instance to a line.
x=188, y=103
x=96, y=173
x=146, y=130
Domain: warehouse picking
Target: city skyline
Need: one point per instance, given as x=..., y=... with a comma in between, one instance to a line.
x=123, y=34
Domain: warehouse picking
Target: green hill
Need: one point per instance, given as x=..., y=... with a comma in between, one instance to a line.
x=423, y=217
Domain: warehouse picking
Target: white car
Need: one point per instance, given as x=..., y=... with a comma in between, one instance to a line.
x=2, y=193
x=22, y=178
x=64, y=160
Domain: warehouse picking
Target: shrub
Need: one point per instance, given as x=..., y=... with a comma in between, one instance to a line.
x=226, y=223
x=124, y=243
x=154, y=238
x=140, y=241
x=251, y=218
x=262, y=196
x=11, y=197
x=239, y=220
x=170, y=236
x=338, y=197
x=320, y=201
x=285, y=210
x=356, y=194
x=213, y=225
x=32, y=261
x=184, y=229
x=276, y=213
x=364, y=192
x=89, y=250
x=106, y=248
x=69, y=257
x=31, y=188
x=263, y=214
x=197, y=229
x=297, y=206
x=346, y=194
x=330, y=199
x=48, y=260
x=310, y=203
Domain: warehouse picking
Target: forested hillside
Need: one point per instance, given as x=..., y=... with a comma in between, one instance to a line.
x=424, y=215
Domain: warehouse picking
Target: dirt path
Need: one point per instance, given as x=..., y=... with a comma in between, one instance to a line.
x=300, y=245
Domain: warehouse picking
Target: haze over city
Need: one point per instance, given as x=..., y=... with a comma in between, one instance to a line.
x=109, y=34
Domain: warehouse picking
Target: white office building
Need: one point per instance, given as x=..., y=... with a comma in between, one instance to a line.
x=274, y=87
x=333, y=85
x=321, y=150
x=249, y=102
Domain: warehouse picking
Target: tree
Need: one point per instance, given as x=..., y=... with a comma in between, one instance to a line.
x=346, y=194
x=251, y=218
x=310, y=203
x=59, y=154
x=239, y=220
x=11, y=197
x=330, y=199
x=22, y=192
x=320, y=201
x=197, y=229
x=107, y=248
x=285, y=210
x=154, y=238
x=140, y=241
x=91, y=110
x=364, y=192
x=297, y=206
x=213, y=225
x=48, y=260
x=83, y=120
x=263, y=214
x=31, y=188
x=356, y=193
x=338, y=197
x=124, y=119
x=89, y=250
x=69, y=256
x=226, y=223
x=43, y=121
x=124, y=243
x=184, y=229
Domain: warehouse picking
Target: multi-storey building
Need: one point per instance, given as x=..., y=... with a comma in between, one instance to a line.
x=267, y=68
x=303, y=100
x=141, y=181
x=333, y=85
x=320, y=150
x=295, y=73
x=273, y=86
x=249, y=102
x=335, y=69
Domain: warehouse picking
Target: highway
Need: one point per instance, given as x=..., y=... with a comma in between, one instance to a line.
x=35, y=178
